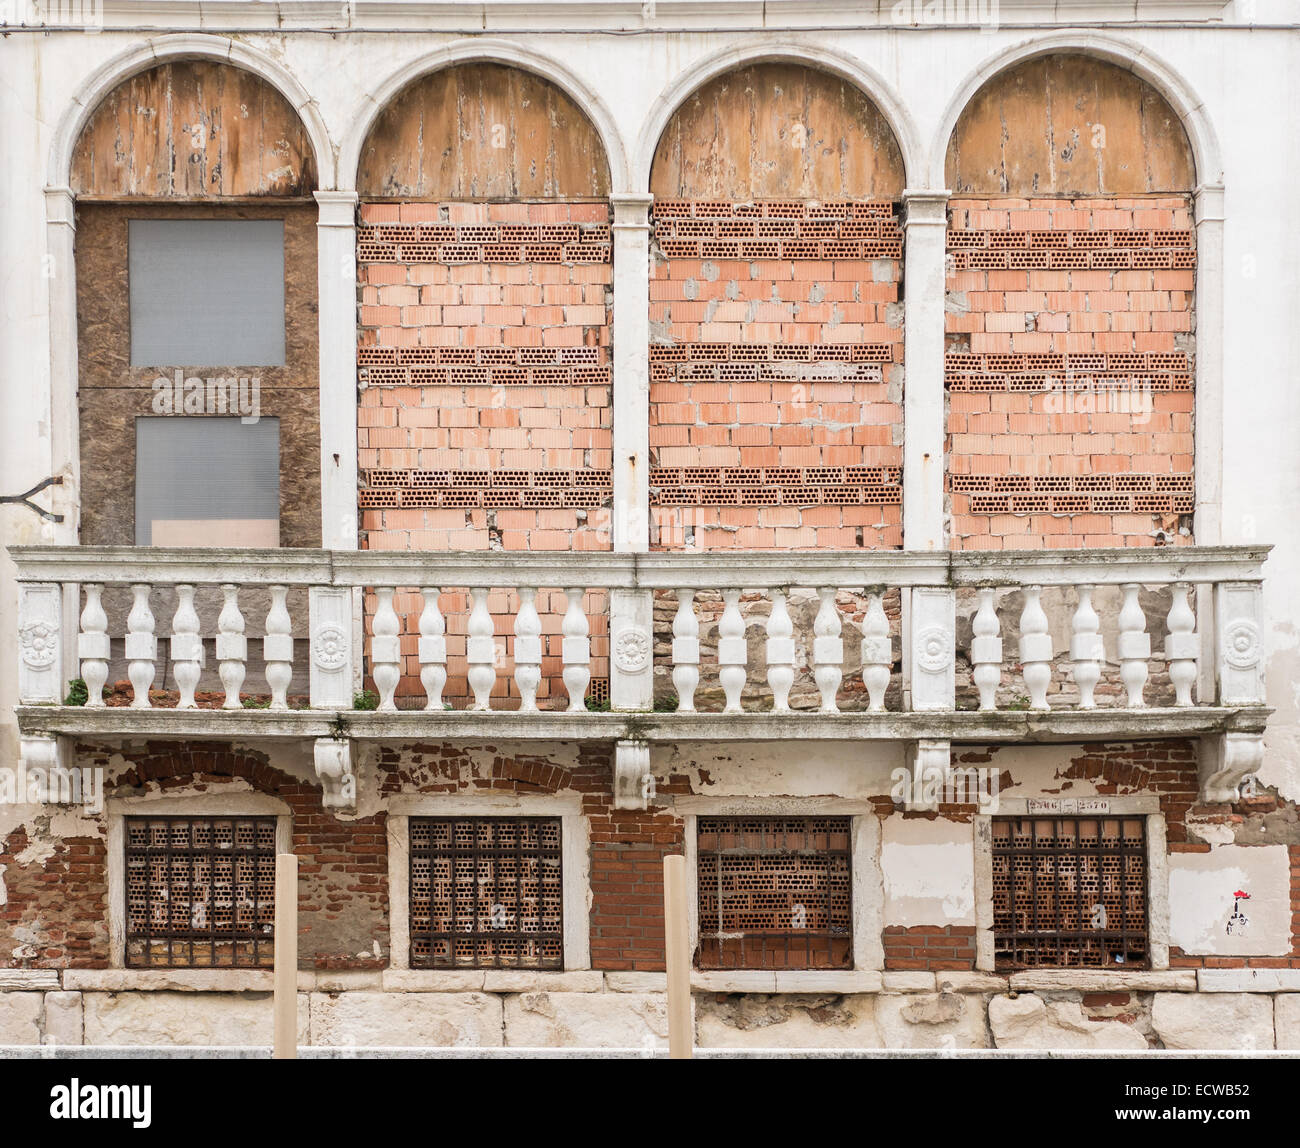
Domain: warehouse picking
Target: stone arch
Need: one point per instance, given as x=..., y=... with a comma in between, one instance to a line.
x=777, y=129
x=482, y=130
x=221, y=128
x=1068, y=122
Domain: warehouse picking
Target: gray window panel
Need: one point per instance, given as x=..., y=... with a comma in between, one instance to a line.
x=206, y=292
x=192, y=469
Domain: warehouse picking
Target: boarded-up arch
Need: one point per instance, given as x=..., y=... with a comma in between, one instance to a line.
x=1068, y=125
x=776, y=130
x=483, y=131
x=193, y=129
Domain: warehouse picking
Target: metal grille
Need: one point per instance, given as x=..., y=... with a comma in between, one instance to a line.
x=1070, y=892
x=774, y=893
x=486, y=893
x=200, y=892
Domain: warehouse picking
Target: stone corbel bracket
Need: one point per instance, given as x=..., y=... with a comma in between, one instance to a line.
x=929, y=770
x=42, y=752
x=1226, y=760
x=337, y=778
x=633, y=781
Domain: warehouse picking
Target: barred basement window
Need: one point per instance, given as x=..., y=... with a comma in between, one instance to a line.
x=1070, y=892
x=200, y=892
x=774, y=893
x=486, y=893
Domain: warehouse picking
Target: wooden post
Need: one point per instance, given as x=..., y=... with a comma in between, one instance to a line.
x=286, y=957
x=681, y=1039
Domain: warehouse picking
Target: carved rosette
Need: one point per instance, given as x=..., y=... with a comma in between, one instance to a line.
x=330, y=646
x=933, y=649
x=632, y=650
x=38, y=644
x=1241, y=644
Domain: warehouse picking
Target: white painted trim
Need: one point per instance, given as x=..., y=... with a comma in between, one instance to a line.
x=774, y=47
x=575, y=847
x=868, y=893
x=239, y=803
x=1124, y=805
x=982, y=841
x=185, y=46
x=1131, y=55
x=483, y=50
x=1157, y=891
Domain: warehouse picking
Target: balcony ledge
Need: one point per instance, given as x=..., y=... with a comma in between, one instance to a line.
x=1011, y=726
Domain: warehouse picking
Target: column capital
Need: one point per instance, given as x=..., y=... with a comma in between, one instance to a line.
x=61, y=206
x=925, y=207
x=1208, y=201
x=337, y=208
x=631, y=211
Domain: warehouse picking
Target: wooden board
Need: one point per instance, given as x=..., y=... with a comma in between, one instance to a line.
x=193, y=130
x=483, y=131
x=1068, y=125
x=777, y=131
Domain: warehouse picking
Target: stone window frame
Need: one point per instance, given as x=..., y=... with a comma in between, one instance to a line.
x=575, y=842
x=1146, y=806
x=867, y=893
x=118, y=809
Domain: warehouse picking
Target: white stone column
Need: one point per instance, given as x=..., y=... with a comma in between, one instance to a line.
x=336, y=302
x=631, y=338
x=60, y=271
x=925, y=223
x=336, y=272
x=1208, y=522
x=631, y=683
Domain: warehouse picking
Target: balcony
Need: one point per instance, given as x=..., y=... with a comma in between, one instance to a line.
x=926, y=647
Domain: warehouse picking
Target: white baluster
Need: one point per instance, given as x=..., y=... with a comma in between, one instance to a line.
x=93, y=646
x=828, y=650
x=575, y=647
x=141, y=646
x=528, y=649
x=877, y=653
x=1134, y=647
x=986, y=650
x=186, y=647
x=232, y=646
x=733, y=654
x=433, y=649
x=385, y=648
x=277, y=648
x=1035, y=649
x=1182, y=645
x=480, y=650
x=1087, y=650
x=686, y=651
x=780, y=653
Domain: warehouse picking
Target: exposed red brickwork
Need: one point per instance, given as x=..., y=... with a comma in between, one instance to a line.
x=775, y=377
x=55, y=915
x=627, y=846
x=485, y=411
x=1165, y=768
x=342, y=867
x=1069, y=371
x=929, y=948
x=483, y=355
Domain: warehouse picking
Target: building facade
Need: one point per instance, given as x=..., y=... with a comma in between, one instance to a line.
x=485, y=452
